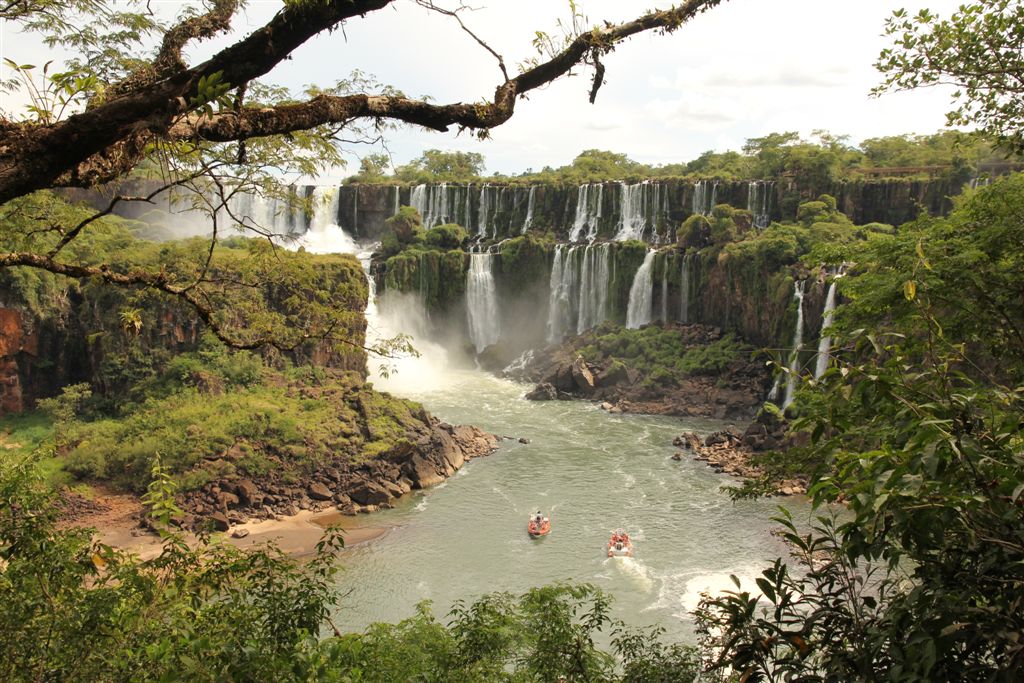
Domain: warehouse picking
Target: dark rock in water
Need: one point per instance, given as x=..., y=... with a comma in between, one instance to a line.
x=318, y=491
x=220, y=521
x=523, y=440
x=677, y=456
x=543, y=392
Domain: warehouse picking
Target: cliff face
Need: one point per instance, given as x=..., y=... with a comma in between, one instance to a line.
x=65, y=331
x=650, y=210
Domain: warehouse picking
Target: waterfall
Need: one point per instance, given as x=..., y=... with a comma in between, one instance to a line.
x=355, y=208
x=593, y=286
x=643, y=205
x=325, y=236
x=684, y=290
x=705, y=195
x=639, y=311
x=562, y=287
x=578, y=298
x=664, y=293
x=440, y=204
x=759, y=201
x=798, y=340
x=397, y=201
x=588, y=211
x=825, y=343
x=528, y=223
x=278, y=216
x=482, y=302
x=485, y=209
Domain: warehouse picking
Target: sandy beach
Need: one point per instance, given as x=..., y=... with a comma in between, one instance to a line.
x=116, y=516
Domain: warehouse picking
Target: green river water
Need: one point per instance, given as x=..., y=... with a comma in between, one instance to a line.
x=592, y=472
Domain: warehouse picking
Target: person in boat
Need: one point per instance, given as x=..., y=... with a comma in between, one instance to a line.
x=538, y=518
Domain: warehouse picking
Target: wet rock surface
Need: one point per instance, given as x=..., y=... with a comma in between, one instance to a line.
x=432, y=452
x=561, y=373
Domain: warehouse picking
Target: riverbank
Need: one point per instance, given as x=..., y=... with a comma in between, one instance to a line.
x=116, y=519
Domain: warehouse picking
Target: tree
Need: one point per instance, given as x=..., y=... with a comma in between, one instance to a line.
x=373, y=167
x=917, y=432
x=976, y=51
x=213, y=127
x=437, y=166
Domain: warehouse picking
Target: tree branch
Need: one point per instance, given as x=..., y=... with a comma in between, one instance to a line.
x=102, y=143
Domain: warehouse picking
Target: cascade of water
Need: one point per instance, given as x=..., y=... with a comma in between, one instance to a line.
x=528, y=223
x=636, y=208
x=705, y=195
x=640, y=294
x=825, y=343
x=798, y=340
x=418, y=199
x=396, y=200
x=485, y=209
x=759, y=201
x=588, y=211
x=664, y=293
x=593, y=286
x=325, y=236
x=684, y=290
x=563, y=288
x=482, y=302
x=355, y=208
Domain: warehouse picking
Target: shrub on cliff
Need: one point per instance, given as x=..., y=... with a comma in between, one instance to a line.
x=449, y=236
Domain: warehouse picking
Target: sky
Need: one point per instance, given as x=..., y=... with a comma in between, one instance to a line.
x=742, y=70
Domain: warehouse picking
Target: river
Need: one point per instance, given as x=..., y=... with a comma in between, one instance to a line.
x=590, y=470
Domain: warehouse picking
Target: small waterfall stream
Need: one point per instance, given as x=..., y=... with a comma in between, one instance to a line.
x=528, y=223
x=593, y=290
x=684, y=290
x=825, y=343
x=798, y=340
x=588, y=211
x=640, y=294
x=759, y=201
x=482, y=301
x=705, y=195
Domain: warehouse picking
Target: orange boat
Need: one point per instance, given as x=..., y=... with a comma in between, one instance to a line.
x=539, y=525
x=620, y=545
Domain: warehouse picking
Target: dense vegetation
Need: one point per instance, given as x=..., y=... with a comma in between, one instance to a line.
x=917, y=429
x=824, y=159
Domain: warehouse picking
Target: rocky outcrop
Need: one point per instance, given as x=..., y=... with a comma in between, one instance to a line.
x=725, y=451
x=432, y=454
x=561, y=373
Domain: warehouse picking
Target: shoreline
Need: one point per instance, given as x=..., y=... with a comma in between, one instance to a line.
x=115, y=520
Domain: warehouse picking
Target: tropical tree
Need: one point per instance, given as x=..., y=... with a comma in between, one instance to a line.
x=976, y=51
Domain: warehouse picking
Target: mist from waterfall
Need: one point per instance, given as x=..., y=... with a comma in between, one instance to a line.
x=482, y=302
x=641, y=293
x=798, y=340
x=825, y=342
x=325, y=236
x=561, y=286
